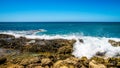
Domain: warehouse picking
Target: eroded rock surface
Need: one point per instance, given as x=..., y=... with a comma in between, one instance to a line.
x=54, y=53
x=114, y=43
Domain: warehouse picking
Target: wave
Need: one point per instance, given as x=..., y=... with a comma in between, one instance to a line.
x=27, y=32
x=89, y=48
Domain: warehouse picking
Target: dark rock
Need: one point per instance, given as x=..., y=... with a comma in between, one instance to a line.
x=65, y=50
x=81, y=40
x=114, y=43
x=6, y=36
x=35, y=45
x=3, y=60
x=100, y=53
x=47, y=45
x=28, y=61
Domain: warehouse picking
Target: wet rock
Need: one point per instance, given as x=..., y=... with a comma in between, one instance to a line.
x=114, y=43
x=100, y=53
x=15, y=43
x=48, y=45
x=35, y=45
x=94, y=64
x=6, y=36
x=111, y=62
x=3, y=60
x=31, y=42
x=65, y=50
x=81, y=40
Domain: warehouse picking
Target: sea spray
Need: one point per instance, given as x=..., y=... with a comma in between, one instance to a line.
x=89, y=48
x=93, y=45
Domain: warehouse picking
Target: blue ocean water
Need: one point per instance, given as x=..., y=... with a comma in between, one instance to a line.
x=96, y=29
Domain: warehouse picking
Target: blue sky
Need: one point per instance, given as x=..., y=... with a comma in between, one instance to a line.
x=60, y=10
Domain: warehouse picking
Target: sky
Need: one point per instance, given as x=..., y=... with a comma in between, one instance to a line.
x=60, y=10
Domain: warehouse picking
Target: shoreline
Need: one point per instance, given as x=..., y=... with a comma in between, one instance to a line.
x=41, y=53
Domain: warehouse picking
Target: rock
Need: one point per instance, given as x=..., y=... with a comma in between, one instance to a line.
x=84, y=61
x=3, y=60
x=48, y=45
x=29, y=61
x=111, y=62
x=15, y=66
x=100, y=53
x=34, y=66
x=46, y=61
x=38, y=67
x=25, y=62
x=63, y=64
x=13, y=43
x=118, y=63
x=114, y=43
x=94, y=64
x=65, y=50
x=31, y=42
x=35, y=45
x=81, y=40
x=98, y=59
x=71, y=60
x=6, y=36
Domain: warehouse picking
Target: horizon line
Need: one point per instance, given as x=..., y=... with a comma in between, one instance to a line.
x=57, y=21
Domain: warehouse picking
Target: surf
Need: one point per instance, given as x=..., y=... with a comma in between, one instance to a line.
x=89, y=47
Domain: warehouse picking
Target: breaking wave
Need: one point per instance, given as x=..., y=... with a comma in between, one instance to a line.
x=23, y=32
x=89, y=47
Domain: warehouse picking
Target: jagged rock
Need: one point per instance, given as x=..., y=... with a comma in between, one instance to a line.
x=118, y=63
x=34, y=66
x=46, y=61
x=38, y=67
x=35, y=45
x=15, y=66
x=84, y=61
x=62, y=64
x=48, y=45
x=65, y=50
x=94, y=64
x=101, y=53
x=71, y=60
x=98, y=59
x=111, y=62
x=81, y=40
x=29, y=61
x=15, y=43
x=6, y=36
x=114, y=43
x=2, y=60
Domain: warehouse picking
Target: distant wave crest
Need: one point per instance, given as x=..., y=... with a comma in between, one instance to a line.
x=23, y=32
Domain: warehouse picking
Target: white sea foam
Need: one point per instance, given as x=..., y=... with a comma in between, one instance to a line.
x=23, y=32
x=89, y=48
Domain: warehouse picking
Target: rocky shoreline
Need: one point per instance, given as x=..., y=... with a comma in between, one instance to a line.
x=42, y=53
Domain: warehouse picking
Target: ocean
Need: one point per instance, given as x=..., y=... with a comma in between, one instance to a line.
x=65, y=28
x=94, y=34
